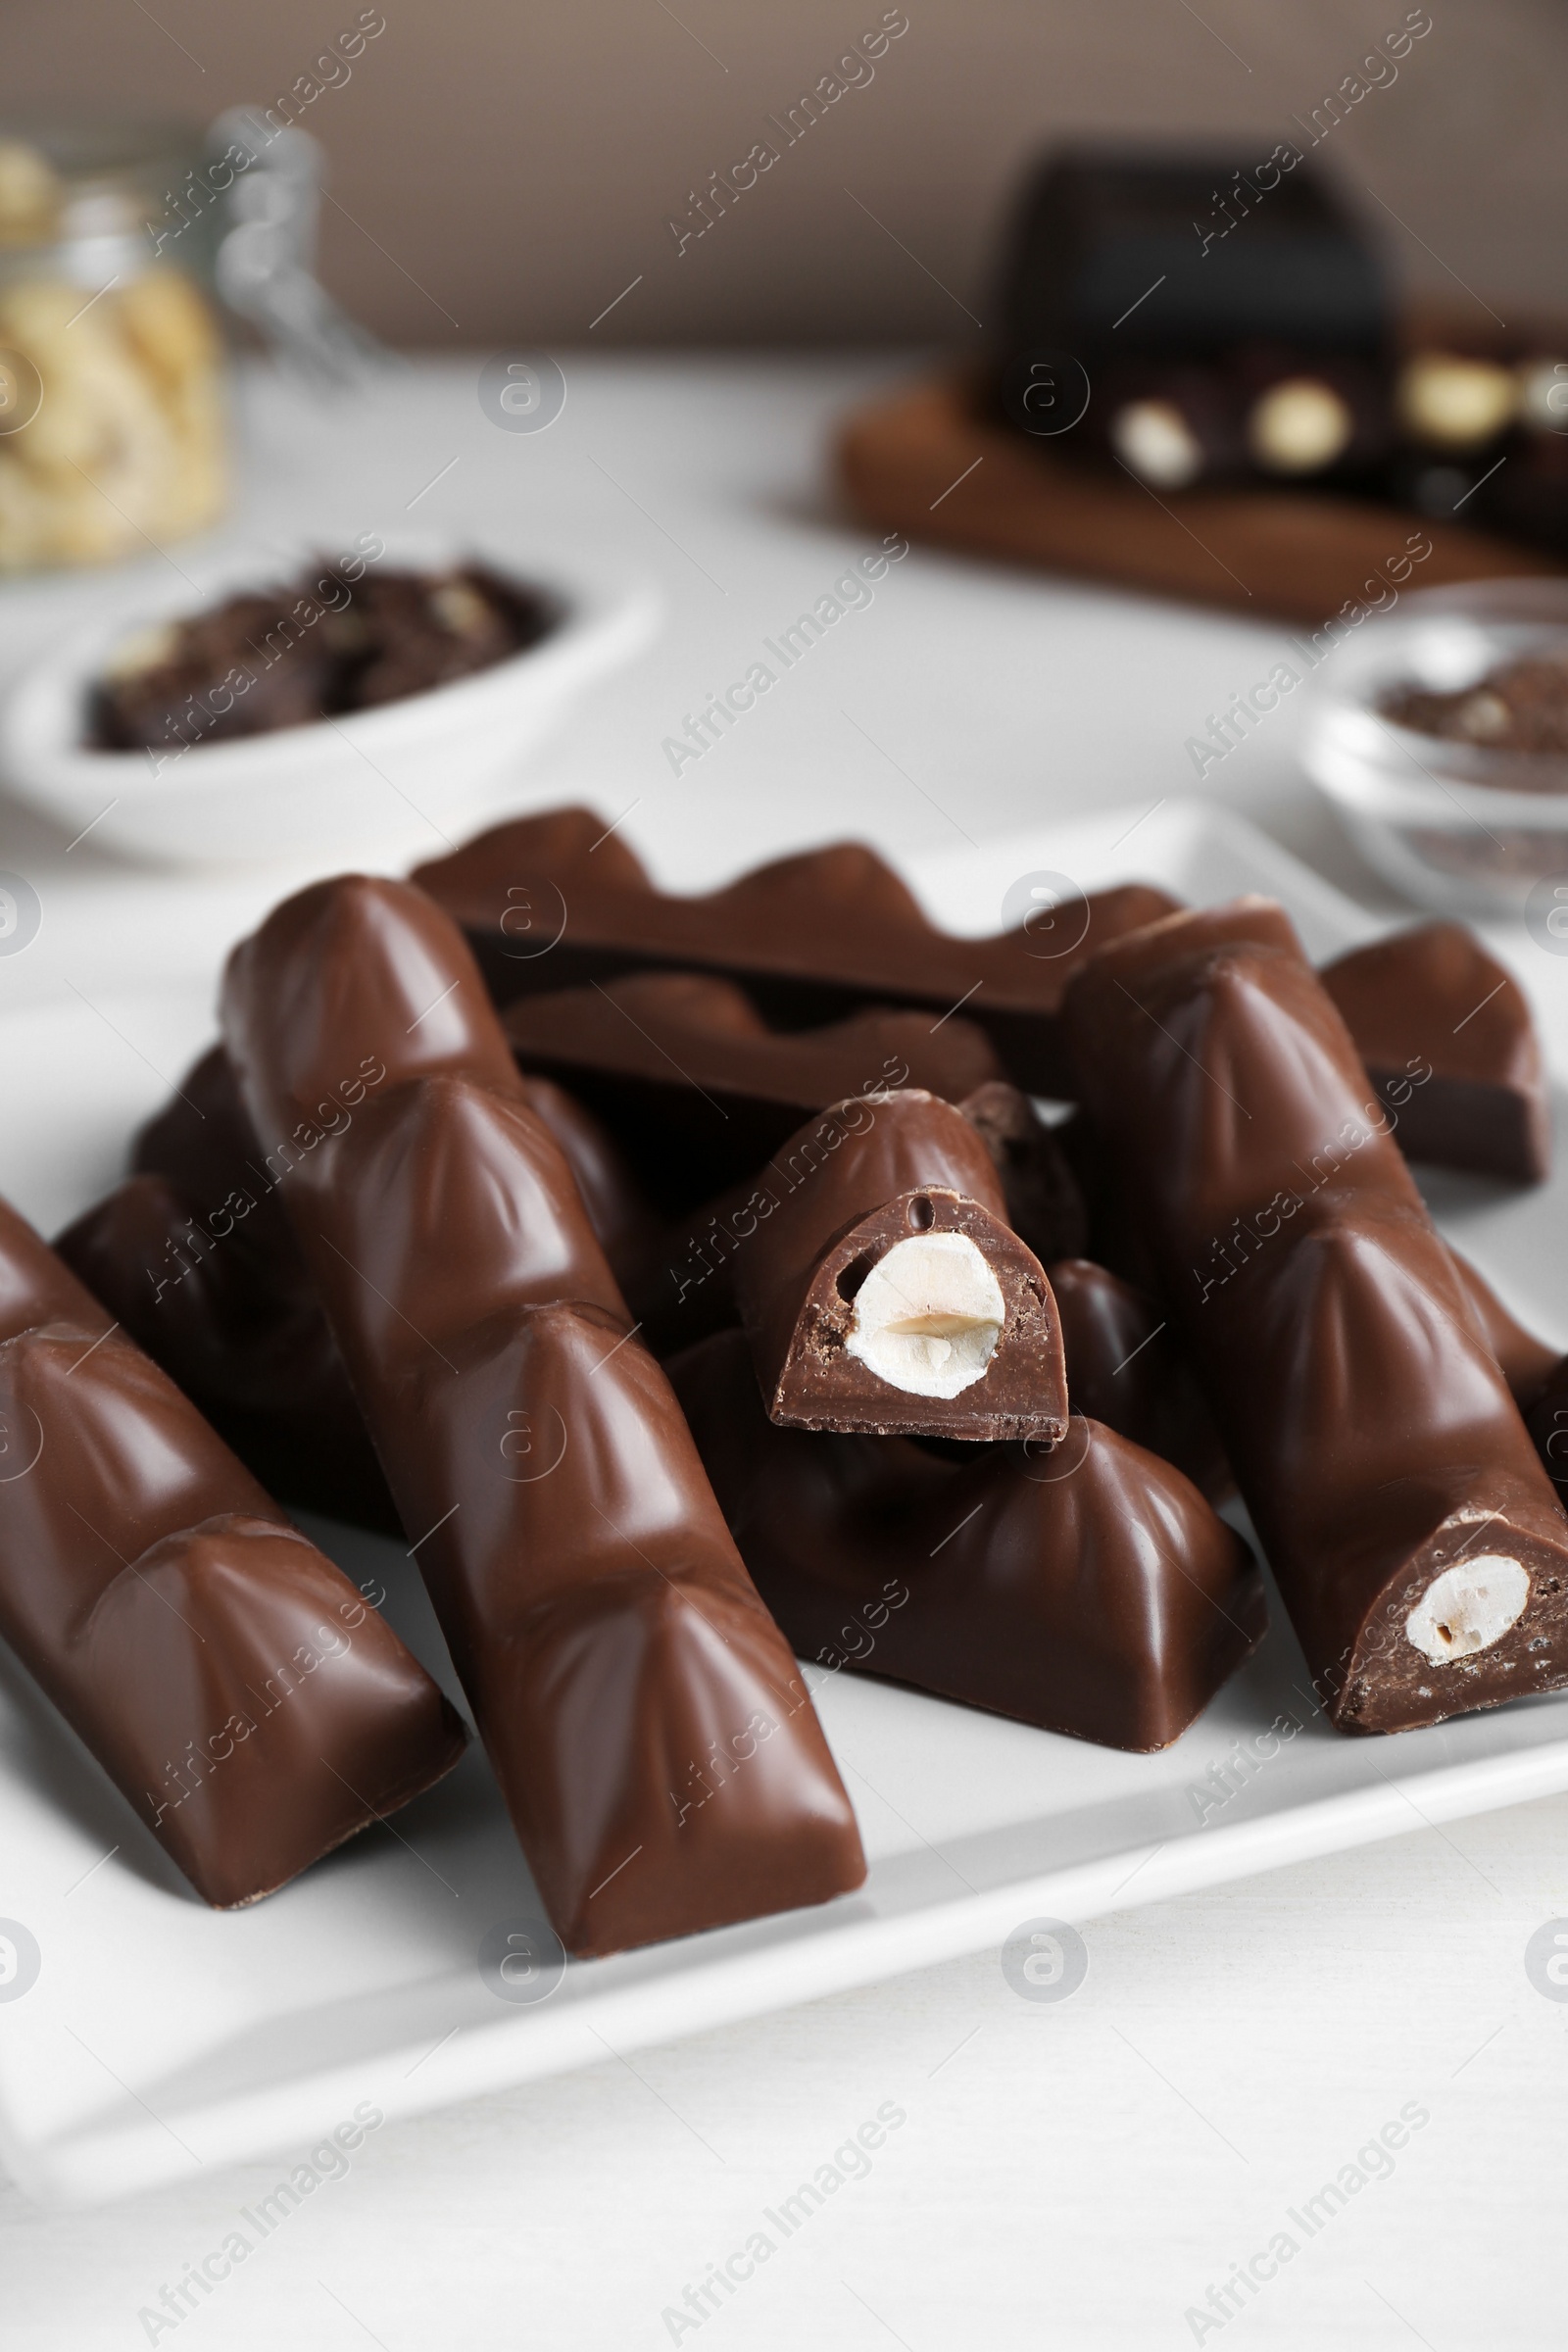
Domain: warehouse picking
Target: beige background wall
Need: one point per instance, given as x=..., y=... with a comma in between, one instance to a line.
x=506, y=170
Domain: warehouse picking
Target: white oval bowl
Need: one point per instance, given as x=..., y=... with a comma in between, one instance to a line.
x=379, y=786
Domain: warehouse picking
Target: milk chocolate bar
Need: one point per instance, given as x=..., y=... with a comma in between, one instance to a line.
x=1526, y=1362
x=698, y=1089
x=1045, y=1207
x=882, y=1289
x=554, y=902
x=250, y=1706
x=239, y=1329
x=1416, y=1540
x=1447, y=1040
x=1087, y=1588
x=196, y=1259
x=654, y=1745
x=1124, y=1369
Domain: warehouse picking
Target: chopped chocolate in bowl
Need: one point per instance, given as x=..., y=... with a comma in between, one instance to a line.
x=338, y=639
x=1519, y=706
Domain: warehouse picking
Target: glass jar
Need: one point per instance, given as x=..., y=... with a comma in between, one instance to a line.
x=113, y=429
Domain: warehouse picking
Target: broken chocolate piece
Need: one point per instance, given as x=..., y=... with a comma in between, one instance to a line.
x=250, y=1706
x=1088, y=1588
x=1447, y=1040
x=548, y=901
x=612, y=1645
x=1417, y=1542
x=882, y=1289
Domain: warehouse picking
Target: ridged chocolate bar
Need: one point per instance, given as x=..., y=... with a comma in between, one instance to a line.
x=1418, y=1544
x=1088, y=1588
x=251, y=1707
x=615, y=1652
x=554, y=902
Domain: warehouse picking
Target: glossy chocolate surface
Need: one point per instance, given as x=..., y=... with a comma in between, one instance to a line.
x=698, y=1089
x=1368, y=1422
x=839, y=1200
x=1447, y=1036
x=655, y=1748
x=1044, y=1207
x=196, y=1256
x=1087, y=1588
x=236, y=1324
x=553, y=902
x=250, y=1706
x=1124, y=1368
x=1526, y=1362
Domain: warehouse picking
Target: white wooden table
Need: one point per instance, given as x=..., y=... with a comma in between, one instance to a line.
x=1081, y=2173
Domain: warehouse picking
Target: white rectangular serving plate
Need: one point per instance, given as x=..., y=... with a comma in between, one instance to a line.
x=160, y=2036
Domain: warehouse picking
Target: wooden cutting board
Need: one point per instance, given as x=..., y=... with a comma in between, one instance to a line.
x=928, y=462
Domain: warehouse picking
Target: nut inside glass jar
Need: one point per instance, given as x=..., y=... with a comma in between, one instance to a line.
x=113, y=427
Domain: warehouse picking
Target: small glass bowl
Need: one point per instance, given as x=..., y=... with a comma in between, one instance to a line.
x=1452, y=825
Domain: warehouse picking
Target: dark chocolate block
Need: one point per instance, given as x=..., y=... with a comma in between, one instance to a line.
x=551, y=902
x=1116, y=254
x=1447, y=1040
x=250, y=1706
x=1417, y=1542
x=1087, y=1588
x=612, y=1645
x=882, y=1289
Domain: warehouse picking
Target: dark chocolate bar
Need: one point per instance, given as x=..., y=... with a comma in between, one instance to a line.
x=251, y=1707
x=657, y=1752
x=1418, y=1544
x=1088, y=1588
x=881, y=1288
x=1447, y=1040
x=553, y=902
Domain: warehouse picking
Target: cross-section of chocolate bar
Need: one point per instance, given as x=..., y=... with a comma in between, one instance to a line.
x=882, y=1288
